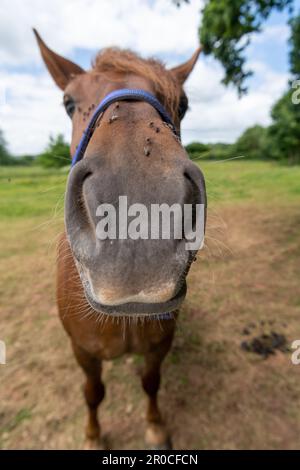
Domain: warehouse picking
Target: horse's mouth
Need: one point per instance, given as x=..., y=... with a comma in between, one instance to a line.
x=132, y=308
x=138, y=308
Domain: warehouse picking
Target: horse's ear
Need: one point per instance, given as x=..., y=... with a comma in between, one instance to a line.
x=62, y=70
x=182, y=71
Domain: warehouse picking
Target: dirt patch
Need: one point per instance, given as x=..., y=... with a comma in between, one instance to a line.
x=213, y=395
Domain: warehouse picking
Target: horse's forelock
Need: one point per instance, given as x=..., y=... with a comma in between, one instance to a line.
x=124, y=61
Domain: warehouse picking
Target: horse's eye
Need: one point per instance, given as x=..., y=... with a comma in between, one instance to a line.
x=183, y=106
x=70, y=106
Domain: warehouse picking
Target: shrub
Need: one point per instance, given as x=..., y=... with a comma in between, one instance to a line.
x=57, y=153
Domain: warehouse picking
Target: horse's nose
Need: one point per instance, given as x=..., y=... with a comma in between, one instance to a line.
x=89, y=184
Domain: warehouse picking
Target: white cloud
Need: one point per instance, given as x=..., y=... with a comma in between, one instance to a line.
x=217, y=114
x=151, y=27
x=155, y=27
x=30, y=110
x=273, y=33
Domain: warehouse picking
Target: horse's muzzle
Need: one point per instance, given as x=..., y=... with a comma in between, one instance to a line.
x=130, y=268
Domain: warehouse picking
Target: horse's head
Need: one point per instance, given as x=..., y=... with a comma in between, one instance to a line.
x=132, y=152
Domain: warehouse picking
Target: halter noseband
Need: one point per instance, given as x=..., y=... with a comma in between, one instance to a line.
x=124, y=94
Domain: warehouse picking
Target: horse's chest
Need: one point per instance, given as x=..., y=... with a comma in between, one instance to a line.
x=112, y=338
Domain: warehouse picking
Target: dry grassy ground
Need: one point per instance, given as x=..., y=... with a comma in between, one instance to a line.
x=214, y=394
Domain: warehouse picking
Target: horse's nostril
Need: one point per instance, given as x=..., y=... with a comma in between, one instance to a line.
x=89, y=173
x=196, y=196
x=196, y=182
x=81, y=201
x=76, y=212
x=187, y=176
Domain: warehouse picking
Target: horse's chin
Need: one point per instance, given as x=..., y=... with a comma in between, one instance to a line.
x=138, y=308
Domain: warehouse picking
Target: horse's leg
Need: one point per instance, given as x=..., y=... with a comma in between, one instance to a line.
x=93, y=392
x=156, y=433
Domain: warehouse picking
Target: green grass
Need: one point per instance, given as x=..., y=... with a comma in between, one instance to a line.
x=262, y=182
x=16, y=420
x=30, y=191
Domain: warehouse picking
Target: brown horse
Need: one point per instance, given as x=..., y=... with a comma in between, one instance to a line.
x=132, y=152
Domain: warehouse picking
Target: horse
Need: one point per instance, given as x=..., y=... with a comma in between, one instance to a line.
x=123, y=296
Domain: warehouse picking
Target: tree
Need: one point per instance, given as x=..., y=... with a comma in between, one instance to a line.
x=295, y=46
x=57, y=153
x=253, y=143
x=284, y=132
x=218, y=151
x=5, y=157
x=226, y=30
x=195, y=149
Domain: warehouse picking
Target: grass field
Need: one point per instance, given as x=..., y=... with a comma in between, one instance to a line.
x=215, y=395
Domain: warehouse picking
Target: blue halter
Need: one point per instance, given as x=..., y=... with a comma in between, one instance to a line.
x=124, y=94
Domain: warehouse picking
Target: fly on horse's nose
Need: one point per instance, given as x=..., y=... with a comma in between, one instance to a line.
x=113, y=118
x=147, y=148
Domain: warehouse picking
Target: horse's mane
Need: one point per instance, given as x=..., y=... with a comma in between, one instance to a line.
x=124, y=61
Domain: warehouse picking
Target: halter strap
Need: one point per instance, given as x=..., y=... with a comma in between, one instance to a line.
x=124, y=94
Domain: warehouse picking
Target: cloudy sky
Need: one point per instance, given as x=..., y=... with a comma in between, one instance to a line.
x=30, y=103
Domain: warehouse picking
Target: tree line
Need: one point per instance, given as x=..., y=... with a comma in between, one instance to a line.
x=55, y=155
x=280, y=141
